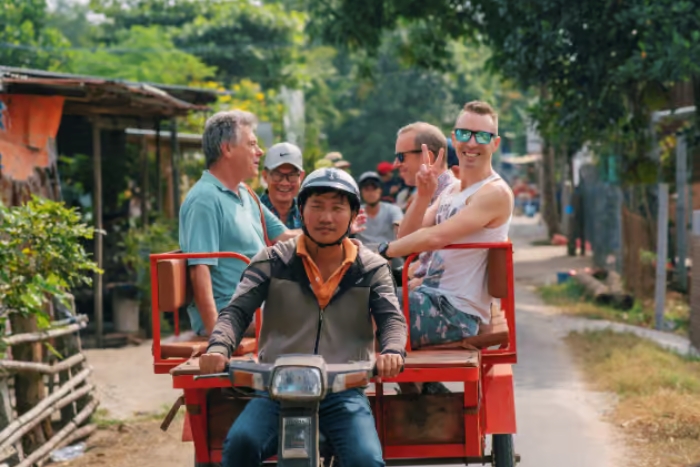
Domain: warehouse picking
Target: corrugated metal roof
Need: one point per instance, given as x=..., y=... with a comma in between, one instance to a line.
x=198, y=96
x=92, y=95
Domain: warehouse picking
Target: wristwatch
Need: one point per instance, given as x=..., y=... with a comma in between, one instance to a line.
x=382, y=248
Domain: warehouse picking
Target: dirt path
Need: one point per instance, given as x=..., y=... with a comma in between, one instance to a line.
x=559, y=420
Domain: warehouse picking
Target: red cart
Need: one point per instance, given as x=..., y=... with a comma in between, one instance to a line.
x=414, y=429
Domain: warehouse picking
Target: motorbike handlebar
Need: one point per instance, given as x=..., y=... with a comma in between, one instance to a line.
x=226, y=371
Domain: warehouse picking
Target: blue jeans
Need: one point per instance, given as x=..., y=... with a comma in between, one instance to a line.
x=345, y=419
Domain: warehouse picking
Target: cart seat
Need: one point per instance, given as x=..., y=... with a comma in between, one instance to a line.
x=442, y=358
x=490, y=335
x=188, y=344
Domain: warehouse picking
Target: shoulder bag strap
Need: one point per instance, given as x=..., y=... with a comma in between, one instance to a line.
x=262, y=215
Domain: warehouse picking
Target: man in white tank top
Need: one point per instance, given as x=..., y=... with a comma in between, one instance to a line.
x=453, y=299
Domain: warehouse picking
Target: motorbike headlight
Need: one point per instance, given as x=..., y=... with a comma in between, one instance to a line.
x=296, y=382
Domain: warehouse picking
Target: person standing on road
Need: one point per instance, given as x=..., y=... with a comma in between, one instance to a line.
x=221, y=214
x=383, y=218
x=283, y=173
x=391, y=185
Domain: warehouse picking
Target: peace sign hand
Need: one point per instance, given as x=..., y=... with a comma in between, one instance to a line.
x=426, y=178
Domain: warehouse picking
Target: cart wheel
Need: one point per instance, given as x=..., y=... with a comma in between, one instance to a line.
x=502, y=452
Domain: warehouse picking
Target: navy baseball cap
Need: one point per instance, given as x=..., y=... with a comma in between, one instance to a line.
x=452, y=159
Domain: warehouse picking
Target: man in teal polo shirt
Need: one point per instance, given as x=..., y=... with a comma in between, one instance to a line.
x=219, y=214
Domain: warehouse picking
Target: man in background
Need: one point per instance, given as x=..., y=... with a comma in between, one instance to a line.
x=390, y=183
x=283, y=173
x=383, y=218
x=409, y=154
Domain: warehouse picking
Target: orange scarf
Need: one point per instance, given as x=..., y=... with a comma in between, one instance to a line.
x=324, y=290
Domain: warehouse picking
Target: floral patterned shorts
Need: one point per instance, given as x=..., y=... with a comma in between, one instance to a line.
x=434, y=320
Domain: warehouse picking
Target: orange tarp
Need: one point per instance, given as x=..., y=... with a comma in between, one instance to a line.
x=26, y=124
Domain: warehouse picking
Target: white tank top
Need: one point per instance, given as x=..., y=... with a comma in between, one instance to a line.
x=460, y=275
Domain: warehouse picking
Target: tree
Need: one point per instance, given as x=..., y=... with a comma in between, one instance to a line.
x=25, y=41
x=142, y=54
x=588, y=59
x=240, y=39
x=395, y=95
x=71, y=18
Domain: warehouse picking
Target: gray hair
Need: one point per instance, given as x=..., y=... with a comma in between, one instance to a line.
x=224, y=127
x=430, y=135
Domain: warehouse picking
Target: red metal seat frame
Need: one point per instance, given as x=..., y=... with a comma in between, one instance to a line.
x=164, y=365
x=488, y=387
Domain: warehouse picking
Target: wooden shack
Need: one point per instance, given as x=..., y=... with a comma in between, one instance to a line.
x=44, y=114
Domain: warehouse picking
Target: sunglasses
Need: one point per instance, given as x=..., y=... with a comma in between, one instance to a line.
x=482, y=137
x=401, y=156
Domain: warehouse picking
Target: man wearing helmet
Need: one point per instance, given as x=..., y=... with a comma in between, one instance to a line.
x=319, y=289
x=383, y=218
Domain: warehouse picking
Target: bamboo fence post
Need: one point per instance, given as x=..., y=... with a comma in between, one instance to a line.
x=15, y=453
x=17, y=435
x=40, y=407
x=32, y=431
x=10, y=365
x=35, y=337
x=29, y=387
x=46, y=449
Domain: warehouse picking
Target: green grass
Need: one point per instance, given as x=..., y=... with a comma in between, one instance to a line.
x=571, y=298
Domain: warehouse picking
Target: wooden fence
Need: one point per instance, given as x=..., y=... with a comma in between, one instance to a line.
x=637, y=266
x=64, y=403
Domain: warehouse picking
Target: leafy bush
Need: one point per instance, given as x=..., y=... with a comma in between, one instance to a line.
x=42, y=257
x=139, y=242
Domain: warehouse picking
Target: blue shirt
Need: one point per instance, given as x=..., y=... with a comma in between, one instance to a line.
x=293, y=220
x=216, y=219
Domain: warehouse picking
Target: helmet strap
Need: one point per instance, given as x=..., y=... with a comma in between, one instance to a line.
x=325, y=245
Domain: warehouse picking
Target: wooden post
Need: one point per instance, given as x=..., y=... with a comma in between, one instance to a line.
x=97, y=213
x=6, y=417
x=581, y=218
x=694, y=328
x=144, y=181
x=681, y=213
x=29, y=387
x=175, y=164
x=159, y=183
x=661, y=253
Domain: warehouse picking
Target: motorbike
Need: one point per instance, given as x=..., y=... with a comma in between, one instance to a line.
x=299, y=383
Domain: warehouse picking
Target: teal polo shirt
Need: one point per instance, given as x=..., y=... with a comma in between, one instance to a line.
x=214, y=219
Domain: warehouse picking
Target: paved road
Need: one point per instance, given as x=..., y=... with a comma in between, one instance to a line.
x=559, y=420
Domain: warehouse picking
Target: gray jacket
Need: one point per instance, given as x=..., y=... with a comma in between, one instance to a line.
x=292, y=319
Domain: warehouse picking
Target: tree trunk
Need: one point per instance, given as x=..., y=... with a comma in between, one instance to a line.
x=572, y=208
x=29, y=386
x=550, y=214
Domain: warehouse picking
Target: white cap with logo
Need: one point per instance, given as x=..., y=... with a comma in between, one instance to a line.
x=284, y=153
